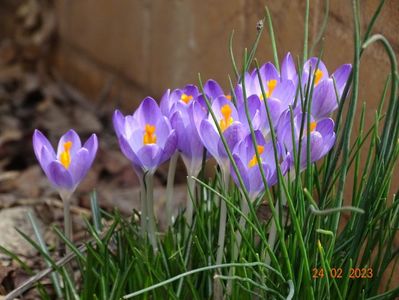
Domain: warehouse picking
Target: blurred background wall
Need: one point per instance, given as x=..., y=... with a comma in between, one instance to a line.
x=144, y=47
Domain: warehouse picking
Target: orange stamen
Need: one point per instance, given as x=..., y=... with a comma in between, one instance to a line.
x=312, y=126
x=227, y=119
x=149, y=135
x=318, y=76
x=65, y=156
x=186, y=98
x=254, y=161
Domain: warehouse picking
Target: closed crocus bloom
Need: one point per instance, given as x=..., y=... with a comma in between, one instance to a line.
x=288, y=69
x=146, y=138
x=248, y=166
x=322, y=135
x=67, y=167
x=189, y=143
x=232, y=129
x=213, y=90
x=183, y=96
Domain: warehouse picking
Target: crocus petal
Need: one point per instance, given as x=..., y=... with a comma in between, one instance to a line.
x=80, y=165
x=165, y=103
x=209, y=137
x=212, y=89
x=341, y=76
x=148, y=112
x=70, y=136
x=118, y=121
x=150, y=156
x=242, y=169
x=169, y=147
x=324, y=100
x=288, y=69
x=91, y=145
x=128, y=151
x=40, y=141
x=268, y=72
x=59, y=176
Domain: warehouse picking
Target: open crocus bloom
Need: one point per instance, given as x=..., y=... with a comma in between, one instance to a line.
x=66, y=168
x=322, y=136
x=146, y=138
x=248, y=166
x=183, y=96
x=228, y=121
x=316, y=68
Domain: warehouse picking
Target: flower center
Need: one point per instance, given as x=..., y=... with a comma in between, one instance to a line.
x=186, y=98
x=227, y=119
x=271, y=85
x=149, y=135
x=318, y=76
x=65, y=156
x=312, y=126
x=254, y=161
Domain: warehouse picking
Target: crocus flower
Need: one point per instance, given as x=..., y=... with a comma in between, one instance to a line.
x=232, y=129
x=66, y=168
x=322, y=136
x=213, y=90
x=146, y=138
x=183, y=120
x=245, y=158
x=340, y=75
x=182, y=96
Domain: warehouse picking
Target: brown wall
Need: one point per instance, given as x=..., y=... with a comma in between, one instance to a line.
x=150, y=45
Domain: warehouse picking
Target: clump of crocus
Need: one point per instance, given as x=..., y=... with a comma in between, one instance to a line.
x=67, y=167
x=147, y=139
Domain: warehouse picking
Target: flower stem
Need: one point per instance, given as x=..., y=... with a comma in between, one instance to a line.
x=143, y=200
x=221, y=237
x=149, y=179
x=189, y=204
x=169, y=189
x=272, y=233
x=66, y=199
x=241, y=225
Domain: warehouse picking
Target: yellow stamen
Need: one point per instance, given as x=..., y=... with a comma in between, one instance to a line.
x=149, y=135
x=227, y=119
x=228, y=97
x=312, y=126
x=254, y=161
x=186, y=98
x=318, y=76
x=271, y=85
x=65, y=156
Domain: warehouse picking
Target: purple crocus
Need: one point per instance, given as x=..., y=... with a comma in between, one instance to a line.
x=245, y=158
x=146, y=138
x=66, y=168
x=322, y=135
x=183, y=96
x=316, y=67
x=232, y=129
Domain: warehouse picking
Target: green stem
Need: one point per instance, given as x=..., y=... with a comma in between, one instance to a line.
x=143, y=200
x=170, y=189
x=66, y=199
x=189, y=204
x=149, y=184
x=241, y=224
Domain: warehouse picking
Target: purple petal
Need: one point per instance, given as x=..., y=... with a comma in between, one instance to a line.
x=40, y=141
x=165, y=103
x=341, y=76
x=70, y=136
x=285, y=92
x=209, y=137
x=288, y=69
x=80, y=165
x=267, y=72
x=150, y=156
x=118, y=121
x=148, y=112
x=91, y=145
x=128, y=151
x=242, y=169
x=59, y=176
x=324, y=100
x=212, y=89
x=169, y=147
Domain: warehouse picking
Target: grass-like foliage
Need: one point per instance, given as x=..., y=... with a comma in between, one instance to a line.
x=299, y=252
